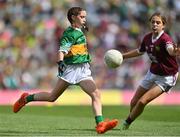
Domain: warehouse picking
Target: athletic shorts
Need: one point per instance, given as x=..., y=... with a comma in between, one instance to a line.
x=164, y=82
x=76, y=73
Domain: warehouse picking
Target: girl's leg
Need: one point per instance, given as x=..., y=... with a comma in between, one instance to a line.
x=139, y=93
x=102, y=126
x=60, y=87
x=150, y=95
x=90, y=88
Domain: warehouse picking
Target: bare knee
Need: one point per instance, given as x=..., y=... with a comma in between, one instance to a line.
x=95, y=95
x=142, y=103
x=133, y=102
x=52, y=98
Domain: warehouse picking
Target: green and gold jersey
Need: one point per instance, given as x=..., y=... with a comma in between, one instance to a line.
x=73, y=43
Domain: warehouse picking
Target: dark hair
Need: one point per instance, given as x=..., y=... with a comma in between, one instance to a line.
x=163, y=18
x=73, y=11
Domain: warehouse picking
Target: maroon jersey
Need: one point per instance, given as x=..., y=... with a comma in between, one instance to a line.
x=162, y=64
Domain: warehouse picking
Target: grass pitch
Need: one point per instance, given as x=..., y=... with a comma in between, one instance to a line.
x=79, y=121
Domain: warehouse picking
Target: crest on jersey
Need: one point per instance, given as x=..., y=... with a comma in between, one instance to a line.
x=157, y=48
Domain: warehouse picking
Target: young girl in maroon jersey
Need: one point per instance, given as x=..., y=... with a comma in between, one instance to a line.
x=163, y=71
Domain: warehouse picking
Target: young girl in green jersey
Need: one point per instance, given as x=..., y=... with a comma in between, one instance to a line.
x=73, y=68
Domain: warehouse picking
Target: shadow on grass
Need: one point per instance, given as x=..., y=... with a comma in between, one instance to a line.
x=75, y=129
x=19, y=133
x=41, y=133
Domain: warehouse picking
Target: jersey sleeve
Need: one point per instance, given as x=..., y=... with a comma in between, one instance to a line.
x=168, y=42
x=142, y=47
x=65, y=43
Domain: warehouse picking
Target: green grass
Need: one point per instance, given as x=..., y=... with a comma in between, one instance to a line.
x=79, y=121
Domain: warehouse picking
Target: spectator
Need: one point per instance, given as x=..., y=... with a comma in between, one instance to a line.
x=28, y=26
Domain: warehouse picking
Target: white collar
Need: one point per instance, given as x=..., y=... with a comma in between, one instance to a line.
x=156, y=38
x=76, y=28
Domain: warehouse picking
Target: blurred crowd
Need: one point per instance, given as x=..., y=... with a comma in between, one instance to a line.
x=30, y=31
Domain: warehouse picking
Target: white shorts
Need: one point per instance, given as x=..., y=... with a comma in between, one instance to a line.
x=164, y=82
x=73, y=74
